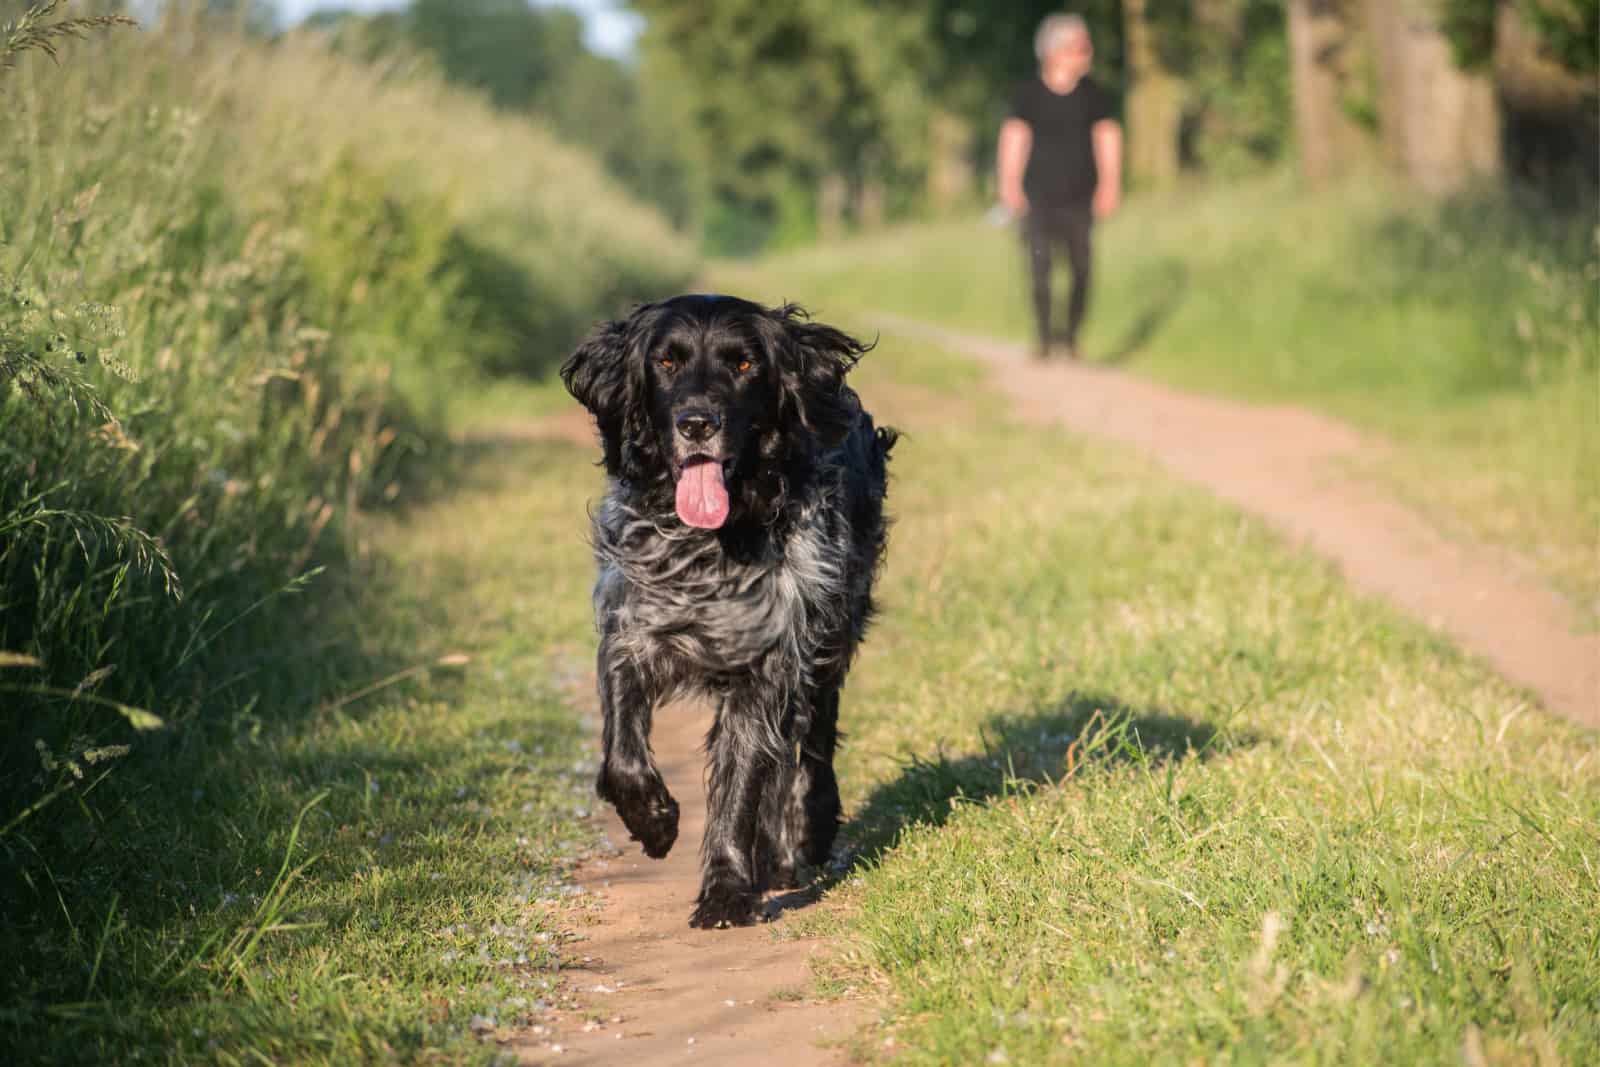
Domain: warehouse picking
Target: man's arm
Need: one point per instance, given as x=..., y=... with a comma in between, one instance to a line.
x=1016, y=143
x=1107, y=136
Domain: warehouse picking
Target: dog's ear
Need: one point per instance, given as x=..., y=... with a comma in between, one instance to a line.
x=816, y=361
x=596, y=373
x=606, y=375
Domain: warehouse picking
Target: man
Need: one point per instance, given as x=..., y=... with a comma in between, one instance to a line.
x=1060, y=166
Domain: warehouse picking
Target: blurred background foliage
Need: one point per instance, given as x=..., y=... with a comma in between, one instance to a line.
x=231, y=311
x=244, y=266
x=752, y=125
x=242, y=263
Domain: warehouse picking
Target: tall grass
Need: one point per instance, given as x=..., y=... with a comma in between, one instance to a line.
x=236, y=283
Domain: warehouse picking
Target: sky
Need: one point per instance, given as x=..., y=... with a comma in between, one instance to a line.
x=609, y=29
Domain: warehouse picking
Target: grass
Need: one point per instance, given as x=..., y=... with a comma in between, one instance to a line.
x=1464, y=333
x=234, y=303
x=376, y=878
x=1131, y=782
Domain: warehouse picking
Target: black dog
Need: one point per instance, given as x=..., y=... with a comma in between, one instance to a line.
x=737, y=544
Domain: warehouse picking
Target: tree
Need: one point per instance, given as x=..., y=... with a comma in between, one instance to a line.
x=799, y=111
x=977, y=52
x=1325, y=41
x=1543, y=56
x=1568, y=29
x=1463, y=89
x=1547, y=86
x=535, y=61
x=1440, y=124
x=1232, y=59
x=1207, y=85
x=1155, y=100
x=505, y=47
x=1565, y=33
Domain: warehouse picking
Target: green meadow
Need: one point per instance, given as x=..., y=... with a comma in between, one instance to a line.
x=295, y=634
x=1461, y=334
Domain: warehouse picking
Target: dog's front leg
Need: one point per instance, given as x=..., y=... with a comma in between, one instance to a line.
x=803, y=814
x=629, y=779
x=732, y=876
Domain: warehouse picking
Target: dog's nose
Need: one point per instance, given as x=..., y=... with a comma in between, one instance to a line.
x=698, y=425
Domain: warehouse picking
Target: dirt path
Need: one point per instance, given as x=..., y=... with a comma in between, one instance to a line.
x=656, y=992
x=667, y=994
x=1287, y=465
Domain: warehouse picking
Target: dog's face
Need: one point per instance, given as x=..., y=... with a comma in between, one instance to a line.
x=712, y=392
x=716, y=398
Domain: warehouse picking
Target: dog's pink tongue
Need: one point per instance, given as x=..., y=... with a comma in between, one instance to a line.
x=702, y=498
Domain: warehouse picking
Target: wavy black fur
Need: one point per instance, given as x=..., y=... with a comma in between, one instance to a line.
x=762, y=614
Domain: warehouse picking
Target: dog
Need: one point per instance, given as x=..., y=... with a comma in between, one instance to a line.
x=737, y=544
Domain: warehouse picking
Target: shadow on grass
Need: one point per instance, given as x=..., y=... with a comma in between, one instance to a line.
x=1083, y=733
x=515, y=333
x=498, y=458
x=1168, y=283
x=147, y=858
x=522, y=323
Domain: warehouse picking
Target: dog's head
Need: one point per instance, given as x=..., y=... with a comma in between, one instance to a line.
x=719, y=400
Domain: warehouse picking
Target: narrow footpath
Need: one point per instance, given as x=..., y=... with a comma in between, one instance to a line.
x=1290, y=467
x=656, y=991
x=653, y=991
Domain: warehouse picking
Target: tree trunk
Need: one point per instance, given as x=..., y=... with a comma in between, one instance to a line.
x=950, y=171
x=1155, y=102
x=1552, y=136
x=1441, y=125
x=1219, y=18
x=872, y=201
x=871, y=192
x=833, y=193
x=1218, y=44
x=1323, y=42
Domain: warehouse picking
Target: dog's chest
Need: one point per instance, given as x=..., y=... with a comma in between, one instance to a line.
x=684, y=603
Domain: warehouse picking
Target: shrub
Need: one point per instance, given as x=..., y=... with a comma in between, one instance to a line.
x=236, y=281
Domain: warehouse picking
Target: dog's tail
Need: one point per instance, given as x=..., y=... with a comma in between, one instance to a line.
x=885, y=438
x=879, y=441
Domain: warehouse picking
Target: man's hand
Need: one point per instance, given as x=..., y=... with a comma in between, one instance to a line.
x=1107, y=199
x=1107, y=138
x=1016, y=144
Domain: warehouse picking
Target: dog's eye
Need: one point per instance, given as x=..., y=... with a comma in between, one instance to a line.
x=665, y=363
x=745, y=365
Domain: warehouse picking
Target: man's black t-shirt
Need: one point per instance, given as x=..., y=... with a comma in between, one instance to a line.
x=1061, y=169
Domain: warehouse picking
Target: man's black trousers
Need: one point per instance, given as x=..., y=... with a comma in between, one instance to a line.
x=1045, y=230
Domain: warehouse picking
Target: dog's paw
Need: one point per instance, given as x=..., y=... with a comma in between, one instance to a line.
x=646, y=809
x=653, y=823
x=722, y=906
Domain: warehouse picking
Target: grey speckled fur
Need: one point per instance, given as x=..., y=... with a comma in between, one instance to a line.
x=762, y=615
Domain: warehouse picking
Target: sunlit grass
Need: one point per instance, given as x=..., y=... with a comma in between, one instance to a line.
x=1133, y=783
x=1463, y=333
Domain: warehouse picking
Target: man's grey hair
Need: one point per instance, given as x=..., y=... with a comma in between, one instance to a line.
x=1054, y=31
